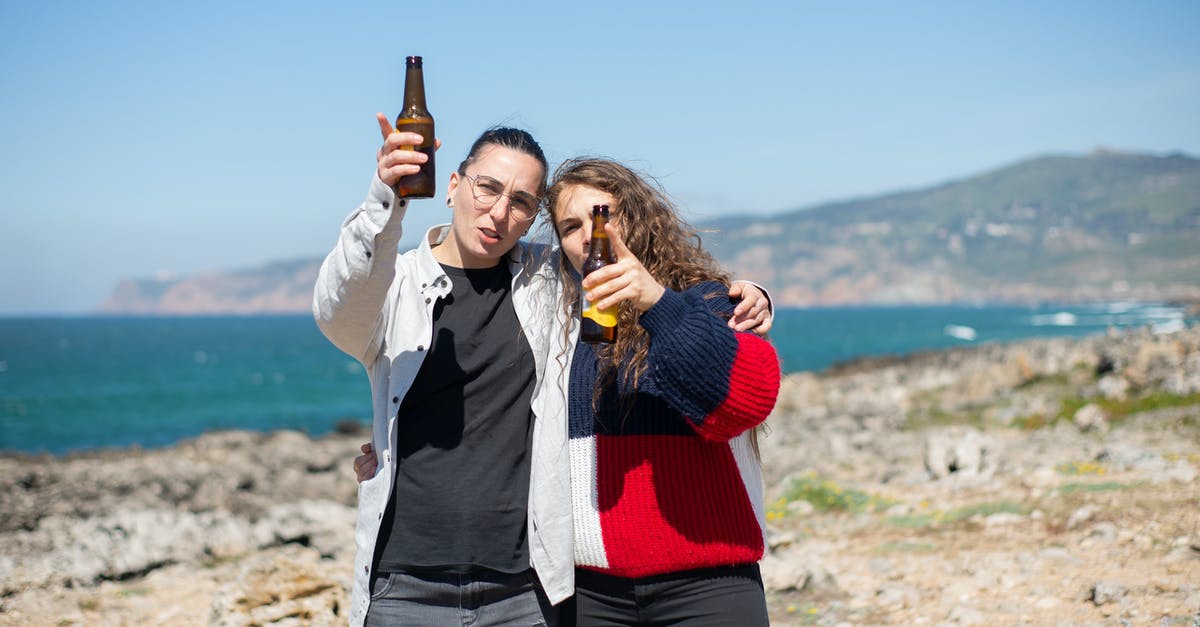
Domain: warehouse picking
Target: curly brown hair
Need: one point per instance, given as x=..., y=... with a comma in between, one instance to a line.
x=653, y=231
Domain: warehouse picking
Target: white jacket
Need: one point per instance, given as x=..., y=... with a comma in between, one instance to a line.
x=377, y=306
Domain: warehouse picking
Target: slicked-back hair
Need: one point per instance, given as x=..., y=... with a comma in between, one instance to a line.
x=513, y=138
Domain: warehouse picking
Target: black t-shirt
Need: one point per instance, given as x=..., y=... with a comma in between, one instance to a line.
x=463, y=438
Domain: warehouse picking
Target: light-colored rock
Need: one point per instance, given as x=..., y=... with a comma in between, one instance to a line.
x=795, y=569
x=1103, y=533
x=295, y=586
x=1003, y=519
x=1128, y=456
x=1181, y=472
x=118, y=545
x=1181, y=554
x=1113, y=387
x=962, y=451
x=1082, y=515
x=1104, y=592
x=800, y=508
x=783, y=575
x=966, y=615
x=319, y=524
x=898, y=596
x=1090, y=417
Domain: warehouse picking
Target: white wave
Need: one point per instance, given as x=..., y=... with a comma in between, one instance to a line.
x=1060, y=319
x=1162, y=313
x=1169, y=326
x=959, y=331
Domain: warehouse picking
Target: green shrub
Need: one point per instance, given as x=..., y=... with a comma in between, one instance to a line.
x=1074, y=488
x=828, y=496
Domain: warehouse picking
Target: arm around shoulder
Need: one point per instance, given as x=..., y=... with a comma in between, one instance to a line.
x=724, y=381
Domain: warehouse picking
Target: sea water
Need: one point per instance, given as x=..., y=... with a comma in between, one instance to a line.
x=78, y=383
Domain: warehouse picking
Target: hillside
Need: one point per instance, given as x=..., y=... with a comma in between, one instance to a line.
x=1103, y=226
x=279, y=287
x=1058, y=228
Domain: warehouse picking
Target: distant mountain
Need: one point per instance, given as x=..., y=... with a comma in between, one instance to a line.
x=279, y=287
x=1108, y=225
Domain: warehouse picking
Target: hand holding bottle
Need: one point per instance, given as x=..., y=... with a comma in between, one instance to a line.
x=625, y=280
x=394, y=159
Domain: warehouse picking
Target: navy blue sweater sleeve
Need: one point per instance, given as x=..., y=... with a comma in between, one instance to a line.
x=724, y=382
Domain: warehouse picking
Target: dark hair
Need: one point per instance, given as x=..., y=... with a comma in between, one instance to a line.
x=513, y=138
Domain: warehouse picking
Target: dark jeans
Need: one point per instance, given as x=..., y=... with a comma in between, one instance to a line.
x=478, y=599
x=720, y=597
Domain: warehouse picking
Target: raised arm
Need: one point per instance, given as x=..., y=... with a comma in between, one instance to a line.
x=350, y=296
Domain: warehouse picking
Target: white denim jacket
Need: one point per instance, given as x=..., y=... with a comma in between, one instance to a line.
x=377, y=305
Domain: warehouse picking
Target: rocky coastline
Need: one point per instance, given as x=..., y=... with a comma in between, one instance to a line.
x=1050, y=481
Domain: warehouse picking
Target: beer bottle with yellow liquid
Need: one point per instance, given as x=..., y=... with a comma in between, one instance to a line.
x=598, y=326
x=414, y=117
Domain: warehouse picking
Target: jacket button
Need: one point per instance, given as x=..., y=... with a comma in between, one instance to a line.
x=395, y=399
x=420, y=347
x=426, y=301
x=424, y=285
x=386, y=204
x=368, y=254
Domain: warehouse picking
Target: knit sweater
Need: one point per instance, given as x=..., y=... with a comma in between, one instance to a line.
x=665, y=479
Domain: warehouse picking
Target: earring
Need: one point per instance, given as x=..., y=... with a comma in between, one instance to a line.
x=449, y=203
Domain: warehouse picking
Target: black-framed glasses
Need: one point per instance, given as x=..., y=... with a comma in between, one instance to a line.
x=487, y=192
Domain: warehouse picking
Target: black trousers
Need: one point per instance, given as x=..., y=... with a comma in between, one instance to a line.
x=719, y=597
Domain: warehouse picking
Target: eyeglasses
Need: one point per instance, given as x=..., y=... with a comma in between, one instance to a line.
x=487, y=192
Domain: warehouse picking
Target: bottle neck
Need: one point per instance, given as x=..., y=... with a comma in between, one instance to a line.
x=600, y=246
x=414, y=88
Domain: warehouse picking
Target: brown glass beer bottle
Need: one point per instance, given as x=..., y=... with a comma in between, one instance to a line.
x=414, y=117
x=598, y=326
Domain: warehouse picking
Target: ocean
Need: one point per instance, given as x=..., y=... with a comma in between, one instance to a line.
x=79, y=383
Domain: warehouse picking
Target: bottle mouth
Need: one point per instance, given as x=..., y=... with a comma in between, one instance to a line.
x=414, y=60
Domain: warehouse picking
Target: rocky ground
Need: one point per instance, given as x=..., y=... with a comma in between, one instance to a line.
x=1049, y=482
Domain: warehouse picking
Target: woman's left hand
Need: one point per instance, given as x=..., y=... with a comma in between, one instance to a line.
x=753, y=313
x=625, y=280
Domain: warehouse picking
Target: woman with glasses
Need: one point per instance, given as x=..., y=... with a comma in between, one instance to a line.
x=472, y=481
x=464, y=509
x=665, y=476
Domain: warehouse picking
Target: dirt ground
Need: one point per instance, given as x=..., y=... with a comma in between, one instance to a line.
x=1011, y=570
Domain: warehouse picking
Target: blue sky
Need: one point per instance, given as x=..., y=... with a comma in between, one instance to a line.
x=155, y=138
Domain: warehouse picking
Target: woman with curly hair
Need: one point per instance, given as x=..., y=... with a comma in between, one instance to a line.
x=665, y=477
